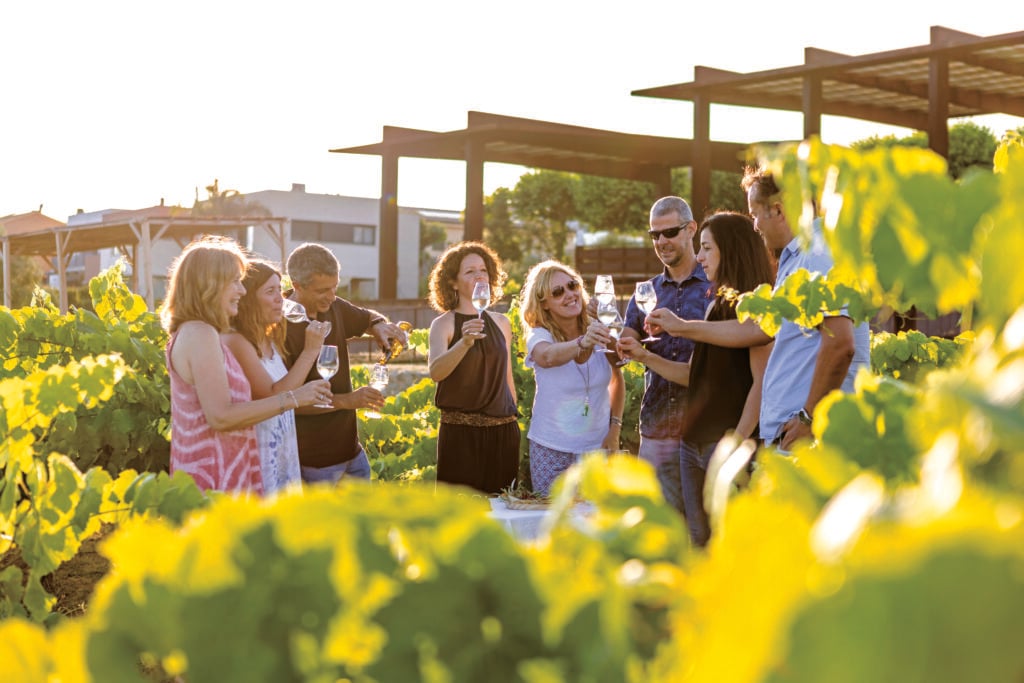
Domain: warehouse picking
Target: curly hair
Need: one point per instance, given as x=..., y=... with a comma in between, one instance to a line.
x=443, y=296
x=198, y=277
x=762, y=179
x=249, y=322
x=538, y=287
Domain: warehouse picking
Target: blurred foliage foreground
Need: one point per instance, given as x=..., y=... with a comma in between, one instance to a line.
x=891, y=549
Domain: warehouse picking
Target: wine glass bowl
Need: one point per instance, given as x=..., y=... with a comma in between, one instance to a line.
x=379, y=381
x=293, y=311
x=608, y=314
x=647, y=299
x=327, y=365
x=604, y=289
x=481, y=297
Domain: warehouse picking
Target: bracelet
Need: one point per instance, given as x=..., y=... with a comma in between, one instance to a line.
x=294, y=400
x=615, y=420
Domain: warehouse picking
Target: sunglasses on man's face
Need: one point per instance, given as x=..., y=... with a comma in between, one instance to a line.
x=667, y=233
x=558, y=290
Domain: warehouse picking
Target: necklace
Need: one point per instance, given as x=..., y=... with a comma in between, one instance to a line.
x=586, y=385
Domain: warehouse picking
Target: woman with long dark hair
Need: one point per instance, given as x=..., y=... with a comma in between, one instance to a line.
x=724, y=383
x=257, y=341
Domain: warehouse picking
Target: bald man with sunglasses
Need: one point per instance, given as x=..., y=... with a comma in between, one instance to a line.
x=683, y=288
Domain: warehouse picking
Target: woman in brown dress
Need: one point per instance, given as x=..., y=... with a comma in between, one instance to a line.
x=470, y=359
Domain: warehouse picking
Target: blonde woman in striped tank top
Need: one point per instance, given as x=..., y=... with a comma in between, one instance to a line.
x=212, y=411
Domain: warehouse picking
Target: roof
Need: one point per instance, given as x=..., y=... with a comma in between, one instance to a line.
x=985, y=76
x=555, y=146
x=18, y=224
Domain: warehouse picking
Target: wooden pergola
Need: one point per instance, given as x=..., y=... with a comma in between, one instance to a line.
x=133, y=233
x=956, y=74
x=531, y=143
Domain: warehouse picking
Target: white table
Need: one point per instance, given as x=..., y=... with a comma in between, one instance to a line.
x=526, y=525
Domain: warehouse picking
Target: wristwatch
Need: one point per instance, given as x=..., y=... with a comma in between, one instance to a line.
x=804, y=417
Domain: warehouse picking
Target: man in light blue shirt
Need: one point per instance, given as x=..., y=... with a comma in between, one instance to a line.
x=804, y=365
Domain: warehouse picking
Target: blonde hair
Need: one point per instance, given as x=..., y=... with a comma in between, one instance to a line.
x=538, y=288
x=197, y=281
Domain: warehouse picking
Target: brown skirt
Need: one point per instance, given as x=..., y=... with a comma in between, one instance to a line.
x=484, y=458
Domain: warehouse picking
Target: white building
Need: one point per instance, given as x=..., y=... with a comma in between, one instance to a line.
x=348, y=226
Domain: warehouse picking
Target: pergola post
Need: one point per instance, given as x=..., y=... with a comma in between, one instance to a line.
x=812, y=106
x=701, y=170
x=474, y=218
x=938, y=109
x=387, y=252
x=62, y=240
x=7, y=271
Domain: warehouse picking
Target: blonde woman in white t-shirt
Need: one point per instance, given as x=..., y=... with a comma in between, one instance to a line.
x=580, y=392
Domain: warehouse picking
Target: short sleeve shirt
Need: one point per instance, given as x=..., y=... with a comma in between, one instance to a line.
x=787, y=378
x=661, y=409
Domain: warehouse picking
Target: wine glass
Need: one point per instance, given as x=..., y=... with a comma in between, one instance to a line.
x=294, y=312
x=481, y=297
x=378, y=380
x=327, y=366
x=604, y=289
x=608, y=313
x=647, y=300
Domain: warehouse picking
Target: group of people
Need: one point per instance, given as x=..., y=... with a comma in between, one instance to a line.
x=246, y=396
x=244, y=383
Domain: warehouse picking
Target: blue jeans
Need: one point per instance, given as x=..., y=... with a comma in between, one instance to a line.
x=358, y=467
x=665, y=455
x=693, y=467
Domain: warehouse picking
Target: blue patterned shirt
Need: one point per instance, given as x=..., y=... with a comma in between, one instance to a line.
x=661, y=410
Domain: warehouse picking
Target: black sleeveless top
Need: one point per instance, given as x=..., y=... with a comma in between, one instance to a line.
x=720, y=380
x=478, y=384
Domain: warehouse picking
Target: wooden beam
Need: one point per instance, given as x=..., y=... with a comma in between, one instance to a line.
x=812, y=106
x=387, y=238
x=474, y=215
x=7, y=271
x=938, y=105
x=701, y=180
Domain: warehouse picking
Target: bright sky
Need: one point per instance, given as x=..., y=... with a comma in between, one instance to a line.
x=119, y=104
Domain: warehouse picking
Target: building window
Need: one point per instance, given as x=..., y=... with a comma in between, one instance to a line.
x=364, y=234
x=339, y=233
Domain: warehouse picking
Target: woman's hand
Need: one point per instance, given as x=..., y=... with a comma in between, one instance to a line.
x=662, y=319
x=316, y=332
x=310, y=393
x=597, y=334
x=631, y=348
x=472, y=330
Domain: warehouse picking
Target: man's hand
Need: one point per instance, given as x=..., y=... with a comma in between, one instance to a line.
x=385, y=332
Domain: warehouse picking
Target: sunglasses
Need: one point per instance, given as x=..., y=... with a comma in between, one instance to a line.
x=559, y=290
x=667, y=233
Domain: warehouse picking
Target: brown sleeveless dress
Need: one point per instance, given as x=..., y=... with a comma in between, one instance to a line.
x=478, y=439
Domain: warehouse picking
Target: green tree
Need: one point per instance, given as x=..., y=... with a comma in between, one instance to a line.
x=970, y=145
x=544, y=202
x=26, y=275
x=226, y=203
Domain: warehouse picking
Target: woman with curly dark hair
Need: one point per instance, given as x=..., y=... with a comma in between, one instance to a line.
x=470, y=359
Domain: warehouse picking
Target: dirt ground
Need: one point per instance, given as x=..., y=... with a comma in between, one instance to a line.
x=73, y=582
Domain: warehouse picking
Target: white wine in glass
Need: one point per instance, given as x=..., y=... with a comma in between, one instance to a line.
x=647, y=300
x=379, y=381
x=294, y=312
x=604, y=289
x=481, y=297
x=608, y=313
x=327, y=366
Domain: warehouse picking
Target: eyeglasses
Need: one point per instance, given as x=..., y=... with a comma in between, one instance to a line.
x=667, y=233
x=559, y=290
